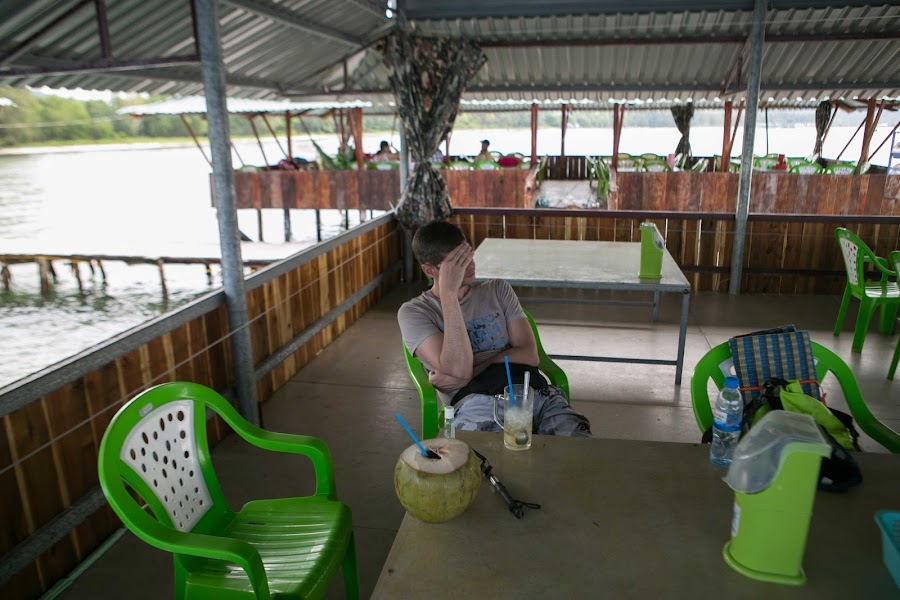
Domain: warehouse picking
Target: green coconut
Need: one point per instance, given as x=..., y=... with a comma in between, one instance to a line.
x=435, y=490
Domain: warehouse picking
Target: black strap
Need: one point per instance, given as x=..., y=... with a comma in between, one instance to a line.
x=493, y=379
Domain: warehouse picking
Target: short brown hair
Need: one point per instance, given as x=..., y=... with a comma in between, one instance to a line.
x=435, y=240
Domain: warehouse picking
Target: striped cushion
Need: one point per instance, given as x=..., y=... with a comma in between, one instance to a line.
x=780, y=352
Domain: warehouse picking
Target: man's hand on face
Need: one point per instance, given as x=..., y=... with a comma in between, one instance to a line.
x=452, y=270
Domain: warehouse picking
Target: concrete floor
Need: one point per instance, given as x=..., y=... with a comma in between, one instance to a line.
x=349, y=393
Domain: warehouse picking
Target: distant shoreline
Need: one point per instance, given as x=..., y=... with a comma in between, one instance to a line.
x=29, y=150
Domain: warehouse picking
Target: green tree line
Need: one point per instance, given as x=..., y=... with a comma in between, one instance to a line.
x=46, y=119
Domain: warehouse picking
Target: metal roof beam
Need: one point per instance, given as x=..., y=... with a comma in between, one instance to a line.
x=478, y=9
x=162, y=69
x=636, y=87
x=74, y=68
x=20, y=49
x=272, y=11
x=379, y=9
x=686, y=40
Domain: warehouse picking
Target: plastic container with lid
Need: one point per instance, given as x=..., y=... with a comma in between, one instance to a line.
x=774, y=473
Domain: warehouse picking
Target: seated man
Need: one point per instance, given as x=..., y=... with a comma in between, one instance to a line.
x=461, y=330
x=485, y=154
x=384, y=153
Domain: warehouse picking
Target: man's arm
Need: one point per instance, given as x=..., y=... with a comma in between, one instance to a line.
x=523, y=348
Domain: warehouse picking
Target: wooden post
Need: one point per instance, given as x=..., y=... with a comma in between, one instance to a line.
x=358, y=134
x=5, y=275
x=564, y=120
x=447, y=147
x=259, y=223
x=272, y=131
x=867, y=134
x=162, y=278
x=726, y=138
x=534, y=121
x=618, y=117
x=287, y=129
x=77, y=273
x=43, y=273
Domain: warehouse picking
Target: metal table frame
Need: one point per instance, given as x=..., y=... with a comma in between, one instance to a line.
x=586, y=265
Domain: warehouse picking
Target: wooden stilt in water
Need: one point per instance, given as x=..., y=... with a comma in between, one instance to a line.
x=43, y=273
x=162, y=279
x=90, y=264
x=5, y=275
x=51, y=270
x=77, y=272
x=259, y=222
x=209, y=275
x=288, y=234
x=102, y=271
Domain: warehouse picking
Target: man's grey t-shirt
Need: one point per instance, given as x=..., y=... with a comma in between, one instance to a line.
x=487, y=309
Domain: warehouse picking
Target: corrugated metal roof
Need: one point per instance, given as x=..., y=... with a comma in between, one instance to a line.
x=814, y=49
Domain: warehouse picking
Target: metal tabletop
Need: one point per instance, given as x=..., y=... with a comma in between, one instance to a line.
x=586, y=265
x=628, y=519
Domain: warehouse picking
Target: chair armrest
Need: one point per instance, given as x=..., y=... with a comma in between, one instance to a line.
x=894, y=260
x=312, y=448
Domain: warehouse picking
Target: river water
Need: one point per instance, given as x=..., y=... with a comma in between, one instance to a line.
x=155, y=201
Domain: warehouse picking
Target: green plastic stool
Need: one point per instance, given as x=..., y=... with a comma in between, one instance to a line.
x=769, y=527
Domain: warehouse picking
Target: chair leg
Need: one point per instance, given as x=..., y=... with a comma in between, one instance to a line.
x=894, y=362
x=845, y=302
x=348, y=569
x=866, y=308
x=888, y=318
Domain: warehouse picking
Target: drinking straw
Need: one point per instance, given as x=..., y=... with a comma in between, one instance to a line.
x=512, y=396
x=411, y=434
x=527, y=381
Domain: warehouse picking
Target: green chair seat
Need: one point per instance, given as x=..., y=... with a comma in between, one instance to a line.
x=883, y=294
x=709, y=367
x=432, y=409
x=155, y=451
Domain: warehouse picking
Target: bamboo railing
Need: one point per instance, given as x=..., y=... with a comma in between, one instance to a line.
x=52, y=512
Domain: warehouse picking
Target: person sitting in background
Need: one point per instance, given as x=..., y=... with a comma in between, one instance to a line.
x=438, y=156
x=384, y=154
x=484, y=155
x=462, y=329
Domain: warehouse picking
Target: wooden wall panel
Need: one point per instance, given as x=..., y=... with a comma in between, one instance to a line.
x=48, y=449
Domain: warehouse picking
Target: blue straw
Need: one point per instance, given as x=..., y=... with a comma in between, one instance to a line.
x=411, y=434
x=512, y=397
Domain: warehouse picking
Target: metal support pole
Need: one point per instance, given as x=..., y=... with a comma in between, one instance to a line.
x=757, y=36
x=223, y=179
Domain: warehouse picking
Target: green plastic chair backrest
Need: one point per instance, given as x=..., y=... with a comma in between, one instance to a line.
x=711, y=365
x=433, y=418
x=460, y=165
x=627, y=163
x=486, y=165
x=806, y=168
x=856, y=253
x=701, y=165
x=656, y=166
x=765, y=162
x=157, y=445
x=841, y=169
x=797, y=160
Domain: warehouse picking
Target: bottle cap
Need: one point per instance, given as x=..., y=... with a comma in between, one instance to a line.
x=732, y=382
x=448, y=412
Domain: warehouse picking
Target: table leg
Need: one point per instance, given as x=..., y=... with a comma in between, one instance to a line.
x=682, y=335
x=654, y=315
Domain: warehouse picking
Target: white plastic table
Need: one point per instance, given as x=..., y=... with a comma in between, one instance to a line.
x=585, y=265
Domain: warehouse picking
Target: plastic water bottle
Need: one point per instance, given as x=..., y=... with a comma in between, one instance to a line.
x=449, y=425
x=727, y=423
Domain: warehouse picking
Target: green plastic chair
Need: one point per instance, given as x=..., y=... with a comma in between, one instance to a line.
x=871, y=294
x=486, y=165
x=656, y=165
x=895, y=263
x=710, y=366
x=627, y=163
x=433, y=418
x=283, y=548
